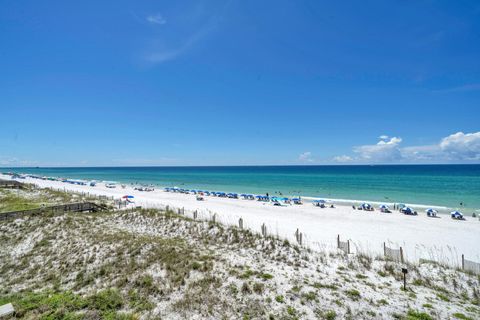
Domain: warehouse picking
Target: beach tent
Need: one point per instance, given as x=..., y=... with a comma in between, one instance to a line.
x=366, y=206
x=431, y=212
x=297, y=200
x=384, y=208
x=457, y=215
x=408, y=211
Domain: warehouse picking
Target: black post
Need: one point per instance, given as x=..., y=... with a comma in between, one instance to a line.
x=404, y=271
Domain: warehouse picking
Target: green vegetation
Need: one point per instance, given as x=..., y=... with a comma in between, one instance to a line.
x=353, y=294
x=443, y=297
x=266, y=276
x=417, y=315
x=67, y=305
x=310, y=296
x=330, y=315
x=461, y=316
x=30, y=197
x=291, y=311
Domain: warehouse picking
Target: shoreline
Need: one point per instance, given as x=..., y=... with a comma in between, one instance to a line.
x=442, y=239
x=442, y=209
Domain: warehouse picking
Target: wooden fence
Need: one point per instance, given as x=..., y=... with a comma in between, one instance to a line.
x=343, y=245
x=69, y=207
x=470, y=266
x=393, y=254
x=10, y=184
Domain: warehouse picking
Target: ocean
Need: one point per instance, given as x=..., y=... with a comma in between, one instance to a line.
x=452, y=186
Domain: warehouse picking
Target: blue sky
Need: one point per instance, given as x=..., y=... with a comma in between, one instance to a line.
x=239, y=82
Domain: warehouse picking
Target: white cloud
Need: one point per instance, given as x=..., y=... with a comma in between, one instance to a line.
x=156, y=19
x=462, y=146
x=384, y=150
x=383, y=137
x=15, y=162
x=193, y=25
x=343, y=159
x=457, y=147
x=305, y=157
x=165, y=53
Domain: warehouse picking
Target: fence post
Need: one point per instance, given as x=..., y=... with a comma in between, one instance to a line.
x=348, y=246
x=213, y=217
x=195, y=215
x=384, y=249
x=401, y=254
x=240, y=223
x=300, y=236
x=463, y=262
x=338, y=241
x=264, y=230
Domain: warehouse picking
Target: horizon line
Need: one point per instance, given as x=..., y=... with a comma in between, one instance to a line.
x=249, y=165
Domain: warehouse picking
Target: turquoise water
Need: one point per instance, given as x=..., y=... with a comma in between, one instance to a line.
x=440, y=185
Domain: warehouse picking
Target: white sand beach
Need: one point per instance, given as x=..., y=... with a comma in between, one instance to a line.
x=441, y=239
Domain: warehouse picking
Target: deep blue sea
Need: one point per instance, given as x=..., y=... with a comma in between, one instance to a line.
x=440, y=185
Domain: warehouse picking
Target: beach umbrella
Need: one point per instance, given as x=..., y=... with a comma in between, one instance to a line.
x=383, y=206
x=319, y=201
